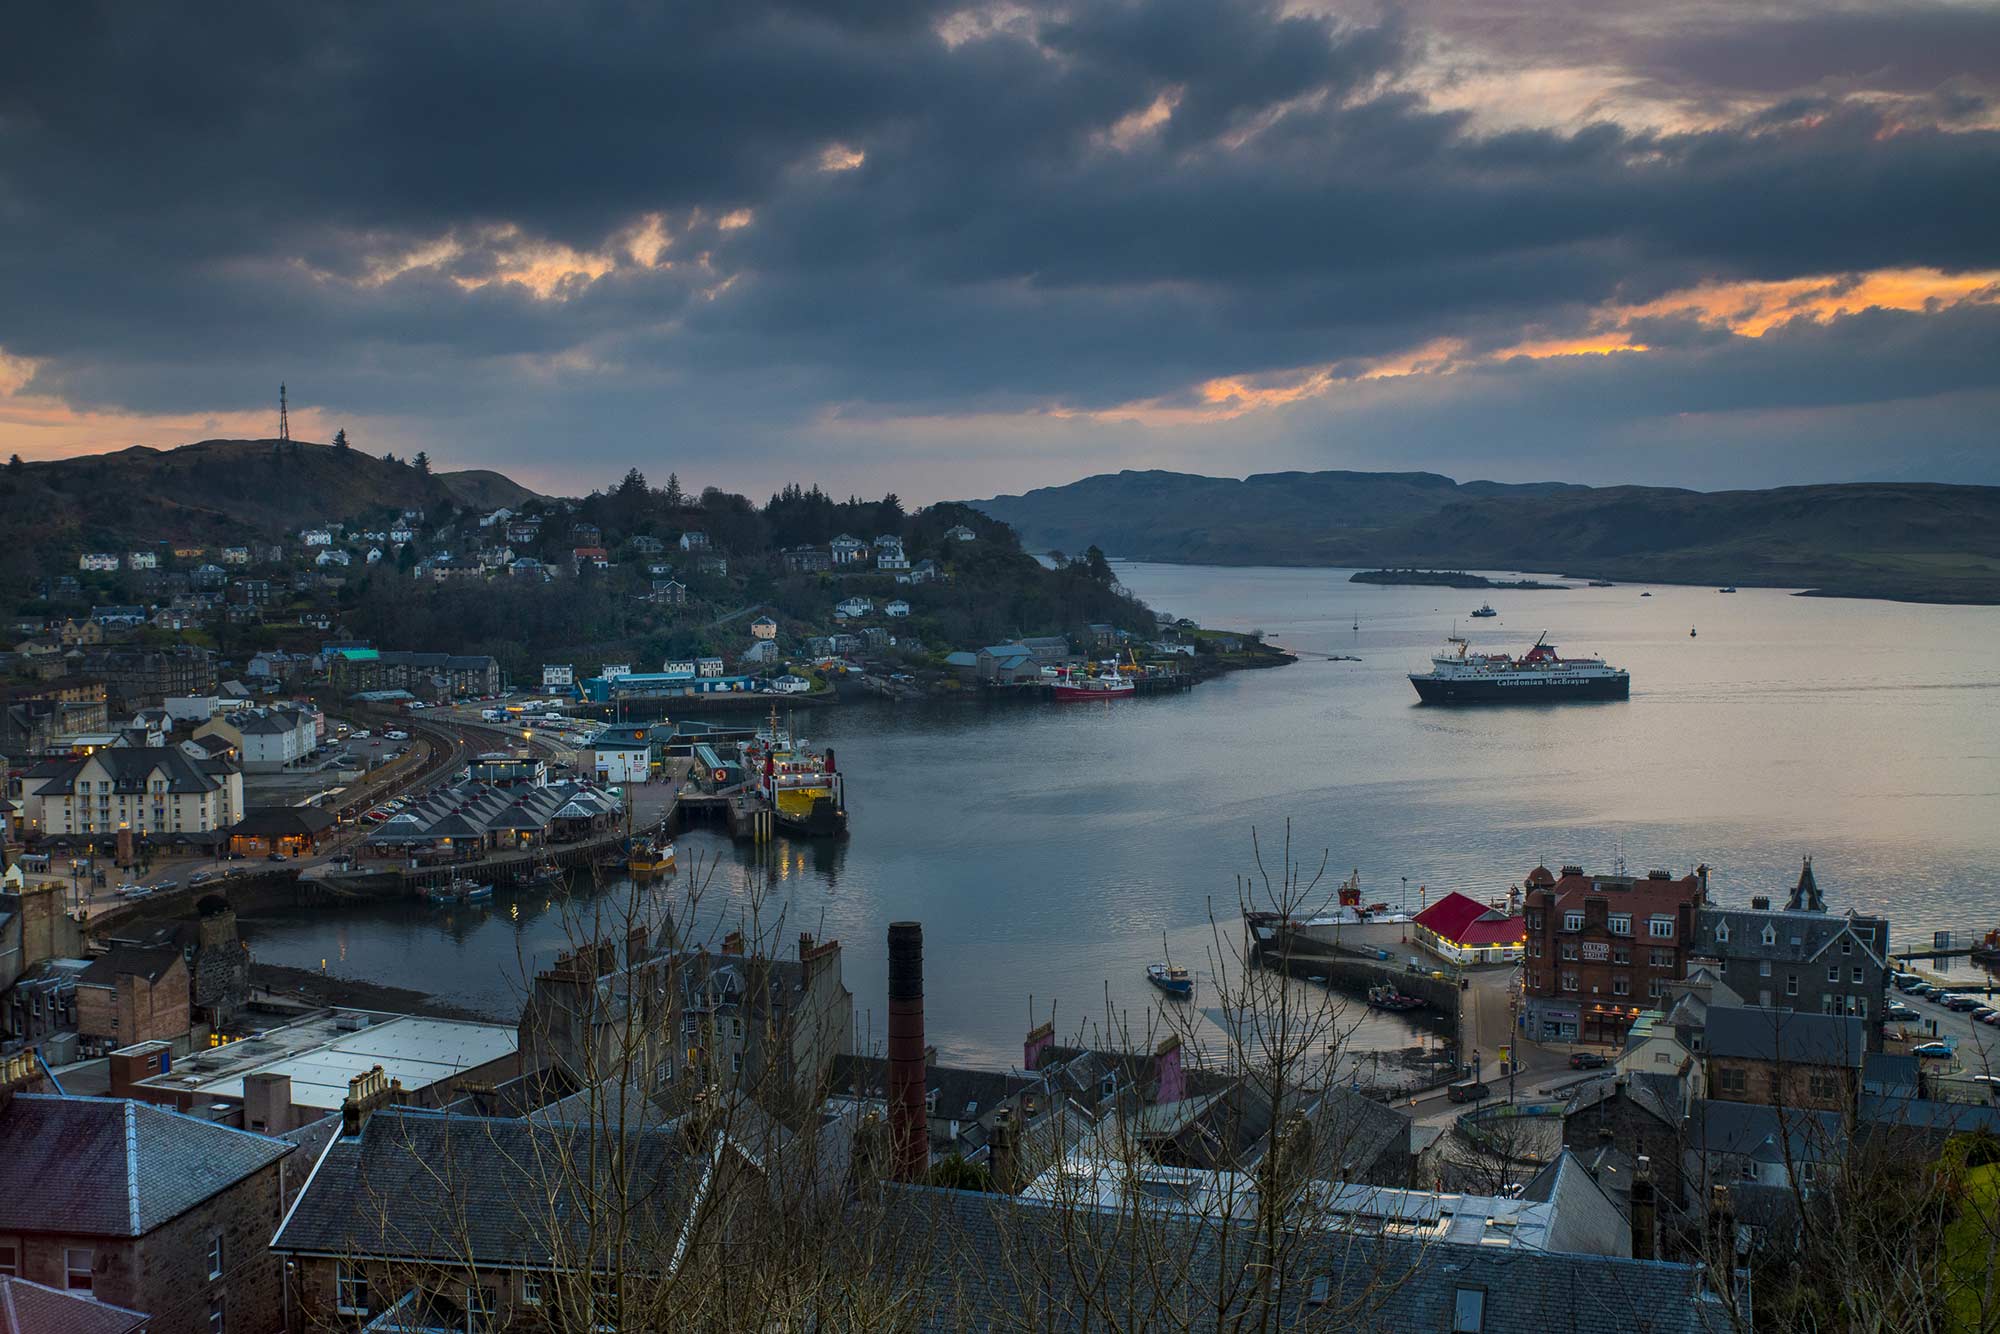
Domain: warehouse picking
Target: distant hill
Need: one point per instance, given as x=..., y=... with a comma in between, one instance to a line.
x=1909, y=541
x=220, y=489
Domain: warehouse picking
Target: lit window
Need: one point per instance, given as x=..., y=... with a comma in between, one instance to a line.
x=1468, y=1311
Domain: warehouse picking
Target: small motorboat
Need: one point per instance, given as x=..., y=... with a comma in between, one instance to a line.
x=1388, y=998
x=476, y=894
x=1645, y=595
x=1730, y=589
x=1485, y=609
x=1171, y=978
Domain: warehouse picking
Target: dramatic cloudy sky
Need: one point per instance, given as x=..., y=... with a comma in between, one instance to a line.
x=956, y=250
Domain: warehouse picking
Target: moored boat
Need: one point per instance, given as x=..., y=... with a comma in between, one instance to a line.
x=805, y=788
x=646, y=856
x=1107, y=684
x=1484, y=610
x=1388, y=998
x=1170, y=978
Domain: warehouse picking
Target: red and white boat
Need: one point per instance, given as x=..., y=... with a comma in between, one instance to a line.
x=1107, y=684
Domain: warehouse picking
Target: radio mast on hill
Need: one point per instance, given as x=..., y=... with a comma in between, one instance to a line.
x=284, y=419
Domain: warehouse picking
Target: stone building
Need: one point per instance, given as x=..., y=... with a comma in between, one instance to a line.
x=132, y=995
x=1800, y=957
x=142, y=1208
x=1784, y=1058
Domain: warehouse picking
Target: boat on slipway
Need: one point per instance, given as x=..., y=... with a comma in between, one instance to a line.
x=1461, y=676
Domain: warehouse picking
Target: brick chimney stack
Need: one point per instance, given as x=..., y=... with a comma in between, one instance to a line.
x=1645, y=1224
x=909, y=1133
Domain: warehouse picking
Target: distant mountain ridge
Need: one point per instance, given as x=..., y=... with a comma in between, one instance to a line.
x=1905, y=540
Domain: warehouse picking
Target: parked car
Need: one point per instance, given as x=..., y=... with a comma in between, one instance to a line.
x=1586, y=1060
x=1962, y=1004
x=1469, y=1090
x=1987, y=1015
x=278, y=857
x=203, y=877
x=1898, y=1010
x=361, y=734
x=397, y=736
x=1931, y=1051
x=129, y=891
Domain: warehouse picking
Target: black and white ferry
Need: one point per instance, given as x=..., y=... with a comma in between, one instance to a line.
x=1460, y=676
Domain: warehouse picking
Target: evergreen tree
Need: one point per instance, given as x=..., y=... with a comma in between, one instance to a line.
x=340, y=438
x=14, y=464
x=422, y=463
x=674, y=496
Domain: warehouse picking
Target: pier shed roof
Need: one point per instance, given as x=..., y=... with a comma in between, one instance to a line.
x=1466, y=921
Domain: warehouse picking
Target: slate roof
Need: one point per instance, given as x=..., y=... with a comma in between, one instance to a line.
x=126, y=961
x=32, y=1308
x=1764, y=1133
x=1794, y=1037
x=130, y=768
x=1054, y=1269
x=110, y=1167
x=1799, y=936
x=282, y=822
x=488, y=1191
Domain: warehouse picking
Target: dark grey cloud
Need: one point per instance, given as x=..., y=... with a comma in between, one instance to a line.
x=194, y=205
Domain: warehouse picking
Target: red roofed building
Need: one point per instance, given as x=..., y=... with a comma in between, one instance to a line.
x=1601, y=949
x=1463, y=930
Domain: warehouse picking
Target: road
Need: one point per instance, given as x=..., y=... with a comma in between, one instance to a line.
x=1975, y=1046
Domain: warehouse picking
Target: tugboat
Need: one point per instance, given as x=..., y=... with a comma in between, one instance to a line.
x=807, y=792
x=1388, y=998
x=1107, y=684
x=1460, y=676
x=1484, y=610
x=1171, y=978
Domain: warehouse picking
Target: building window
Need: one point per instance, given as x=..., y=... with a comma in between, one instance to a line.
x=1857, y=975
x=735, y=1062
x=1534, y=949
x=1621, y=954
x=215, y=1256
x=735, y=1028
x=1732, y=1081
x=1569, y=949
x=1573, y=921
x=1833, y=972
x=10, y=1260
x=1722, y=933
x=1621, y=986
x=1621, y=924
x=1791, y=984
x=1663, y=958
x=1846, y=945
x=1660, y=928
x=531, y=1289
x=1569, y=981
x=1656, y=988
x=1822, y=1086
x=478, y=1308
x=350, y=1289
x=77, y=1266
x=1468, y=1311
x=218, y=1318
x=1763, y=967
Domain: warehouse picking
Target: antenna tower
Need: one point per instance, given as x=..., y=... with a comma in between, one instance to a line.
x=284, y=419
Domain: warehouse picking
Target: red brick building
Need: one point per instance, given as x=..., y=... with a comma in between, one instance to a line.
x=1602, y=948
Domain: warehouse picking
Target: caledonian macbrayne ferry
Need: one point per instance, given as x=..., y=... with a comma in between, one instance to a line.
x=1460, y=676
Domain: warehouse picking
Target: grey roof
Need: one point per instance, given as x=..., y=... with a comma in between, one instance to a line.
x=111, y=1167
x=1929, y=1114
x=1584, y=1213
x=1793, y=1037
x=1050, y=1268
x=127, y=961
x=131, y=768
x=1797, y=936
x=1764, y=1133
x=32, y=1308
x=488, y=1191
x=1890, y=1072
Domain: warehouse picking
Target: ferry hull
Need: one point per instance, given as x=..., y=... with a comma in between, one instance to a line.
x=1526, y=690
x=825, y=818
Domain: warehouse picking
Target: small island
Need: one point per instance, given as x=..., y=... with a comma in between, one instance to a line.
x=1445, y=579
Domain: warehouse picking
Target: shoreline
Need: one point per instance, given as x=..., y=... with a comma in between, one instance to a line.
x=328, y=989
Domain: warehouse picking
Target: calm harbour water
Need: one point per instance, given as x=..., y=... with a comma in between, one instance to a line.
x=1049, y=850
